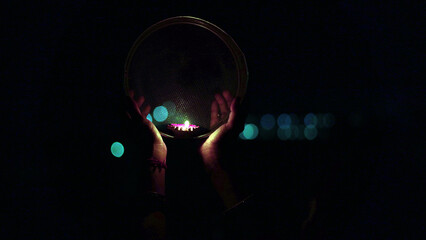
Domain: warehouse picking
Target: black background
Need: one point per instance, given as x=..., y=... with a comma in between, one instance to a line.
x=62, y=79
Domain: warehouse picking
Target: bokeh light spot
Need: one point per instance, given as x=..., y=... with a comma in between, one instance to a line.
x=284, y=133
x=310, y=132
x=117, y=149
x=160, y=113
x=284, y=120
x=250, y=132
x=149, y=117
x=311, y=119
x=328, y=120
x=242, y=136
x=267, y=121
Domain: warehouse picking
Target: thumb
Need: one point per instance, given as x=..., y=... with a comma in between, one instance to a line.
x=236, y=118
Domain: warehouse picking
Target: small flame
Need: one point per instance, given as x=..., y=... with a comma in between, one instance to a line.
x=182, y=127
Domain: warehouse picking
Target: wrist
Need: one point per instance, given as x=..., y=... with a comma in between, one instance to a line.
x=159, y=152
x=210, y=158
x=157, y=170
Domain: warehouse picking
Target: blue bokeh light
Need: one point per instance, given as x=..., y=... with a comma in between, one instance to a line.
x=328, y=120
x=160, y=113
x=117, y=149
x=310, y=132
x=284, y=133
x=267, y=121
x=311, y=119
x=250, y=132
x=284, y=120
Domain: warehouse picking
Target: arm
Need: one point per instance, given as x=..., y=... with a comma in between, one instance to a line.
x=153, y=153
x=214, y=152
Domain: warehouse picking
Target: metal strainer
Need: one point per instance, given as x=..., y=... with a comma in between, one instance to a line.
x=178, y=65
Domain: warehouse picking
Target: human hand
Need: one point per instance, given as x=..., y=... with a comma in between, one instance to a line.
x=213, y=148
x=218, y=146
x=147, y=138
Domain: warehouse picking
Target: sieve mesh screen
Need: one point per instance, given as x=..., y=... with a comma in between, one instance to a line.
x=181, y=67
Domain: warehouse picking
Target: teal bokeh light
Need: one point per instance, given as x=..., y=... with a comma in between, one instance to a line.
x=250, y=132
x=160, y=113
x=117, y=149
x=284, y=120
x=267, y=121
x=311, y=119
x=149, y=117
x=328, y=120
x=284, y=133
x=310, y=132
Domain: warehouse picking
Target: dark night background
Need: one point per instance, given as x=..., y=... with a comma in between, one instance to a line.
x=62, y=81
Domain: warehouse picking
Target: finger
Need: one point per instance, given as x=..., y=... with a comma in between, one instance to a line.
x=228, y=97
x=223, y=106
x=235, y=120
x=145, y=110
x=133, y=109
x=214, y=113
x=139, y=101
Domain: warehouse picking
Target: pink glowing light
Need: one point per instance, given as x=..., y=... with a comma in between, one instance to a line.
x=183, y=127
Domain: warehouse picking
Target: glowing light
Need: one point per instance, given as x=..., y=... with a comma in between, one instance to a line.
x=117, y=149
x=284, y=133
x=250, y=132
x=328, y=120
x=310, y=132
x=267, y=121
x=149, y=117
x=182, y=127
x=311, y=119
x=284, y=120
x=160, y=113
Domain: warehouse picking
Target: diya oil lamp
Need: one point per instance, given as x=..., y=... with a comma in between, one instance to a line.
x=185, y=130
